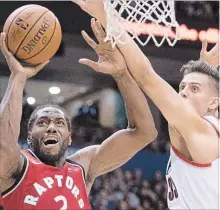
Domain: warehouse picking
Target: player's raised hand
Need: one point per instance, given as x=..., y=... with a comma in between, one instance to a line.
x=14, y=66
x=93, y=8
x=211, y=57
x=111, y=61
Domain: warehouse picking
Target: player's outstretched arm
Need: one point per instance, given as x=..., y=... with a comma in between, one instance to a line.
x=11, y=111
x=124, y=144
x=195, y=131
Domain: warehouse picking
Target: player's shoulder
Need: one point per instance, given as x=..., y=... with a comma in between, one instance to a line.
x=84, y=153
x=212, y=121
x=31, y=157
x=84, y=156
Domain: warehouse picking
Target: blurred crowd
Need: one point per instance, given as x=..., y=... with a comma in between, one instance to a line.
x=128, y=190
x=87, y=131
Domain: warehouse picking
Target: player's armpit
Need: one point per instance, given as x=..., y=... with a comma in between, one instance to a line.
x=11, y=162
x=117, y=150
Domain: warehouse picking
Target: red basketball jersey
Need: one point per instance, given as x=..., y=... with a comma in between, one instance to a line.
x=46, y=187
x=1, y=202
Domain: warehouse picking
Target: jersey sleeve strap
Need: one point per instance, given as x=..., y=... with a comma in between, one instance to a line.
x=75, y=163
x=213, y=121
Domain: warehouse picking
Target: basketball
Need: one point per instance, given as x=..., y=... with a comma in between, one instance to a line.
x=33, y=34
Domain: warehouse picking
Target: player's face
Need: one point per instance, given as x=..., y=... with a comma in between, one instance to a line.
x=50, y=136
x=195, y=88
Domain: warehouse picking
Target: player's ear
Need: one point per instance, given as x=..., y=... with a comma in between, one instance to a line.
x=214, y=103
x=29, y=138
x=70, y=140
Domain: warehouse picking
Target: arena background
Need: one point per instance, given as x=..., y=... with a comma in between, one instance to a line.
x=96, y=107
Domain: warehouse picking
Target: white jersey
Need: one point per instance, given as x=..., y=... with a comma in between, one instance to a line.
x=192, y=185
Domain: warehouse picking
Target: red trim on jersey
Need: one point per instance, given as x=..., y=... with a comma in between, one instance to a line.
x=200, y=165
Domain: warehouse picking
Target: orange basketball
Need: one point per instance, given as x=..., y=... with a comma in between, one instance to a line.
x=33, y=34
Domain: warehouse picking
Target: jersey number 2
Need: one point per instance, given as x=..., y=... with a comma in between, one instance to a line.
x=172, y=189
x=63, y=199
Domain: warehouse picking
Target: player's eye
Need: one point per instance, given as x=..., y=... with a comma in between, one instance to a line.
x=60, y=122
x=195, y=89
x=42, y=122
x=181, y=88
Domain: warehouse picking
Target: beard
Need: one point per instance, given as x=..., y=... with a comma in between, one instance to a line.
x=47, y=158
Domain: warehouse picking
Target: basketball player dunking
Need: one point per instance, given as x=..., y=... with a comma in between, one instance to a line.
x=41, y=177
x=192, y=173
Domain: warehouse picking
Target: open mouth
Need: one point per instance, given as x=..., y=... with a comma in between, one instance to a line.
x=50, y=142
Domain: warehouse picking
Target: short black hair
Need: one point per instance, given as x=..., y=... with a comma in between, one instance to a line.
x=203, y=68
x=34, y=116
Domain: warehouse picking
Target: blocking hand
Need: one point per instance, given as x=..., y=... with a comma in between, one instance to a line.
x=111, y=61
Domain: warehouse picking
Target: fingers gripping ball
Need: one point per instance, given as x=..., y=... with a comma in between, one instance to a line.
x=33, y=34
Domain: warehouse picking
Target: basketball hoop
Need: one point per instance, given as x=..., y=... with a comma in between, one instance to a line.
x=153, y=19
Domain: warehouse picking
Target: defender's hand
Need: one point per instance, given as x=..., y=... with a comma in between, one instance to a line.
x=14, y=66
x=111, y=61
x=211, y=57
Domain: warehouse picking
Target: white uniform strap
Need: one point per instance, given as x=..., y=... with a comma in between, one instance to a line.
x=213, y=121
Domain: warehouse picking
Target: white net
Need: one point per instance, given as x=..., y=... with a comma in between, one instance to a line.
x=153, y=19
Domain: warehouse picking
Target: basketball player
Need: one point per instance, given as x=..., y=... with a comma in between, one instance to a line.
x=192, y=173
x=41, y=177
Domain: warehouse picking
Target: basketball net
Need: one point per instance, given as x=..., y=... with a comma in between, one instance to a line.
x=153, y=19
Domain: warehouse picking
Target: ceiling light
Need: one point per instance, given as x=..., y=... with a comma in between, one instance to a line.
x=31, y=100
x=54, y=90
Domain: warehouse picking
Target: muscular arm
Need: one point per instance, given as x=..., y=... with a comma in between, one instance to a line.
x=10, y=117
x=124, y=144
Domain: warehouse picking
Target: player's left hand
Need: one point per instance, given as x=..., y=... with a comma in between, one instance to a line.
x=111, y=61
x=211, y=57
